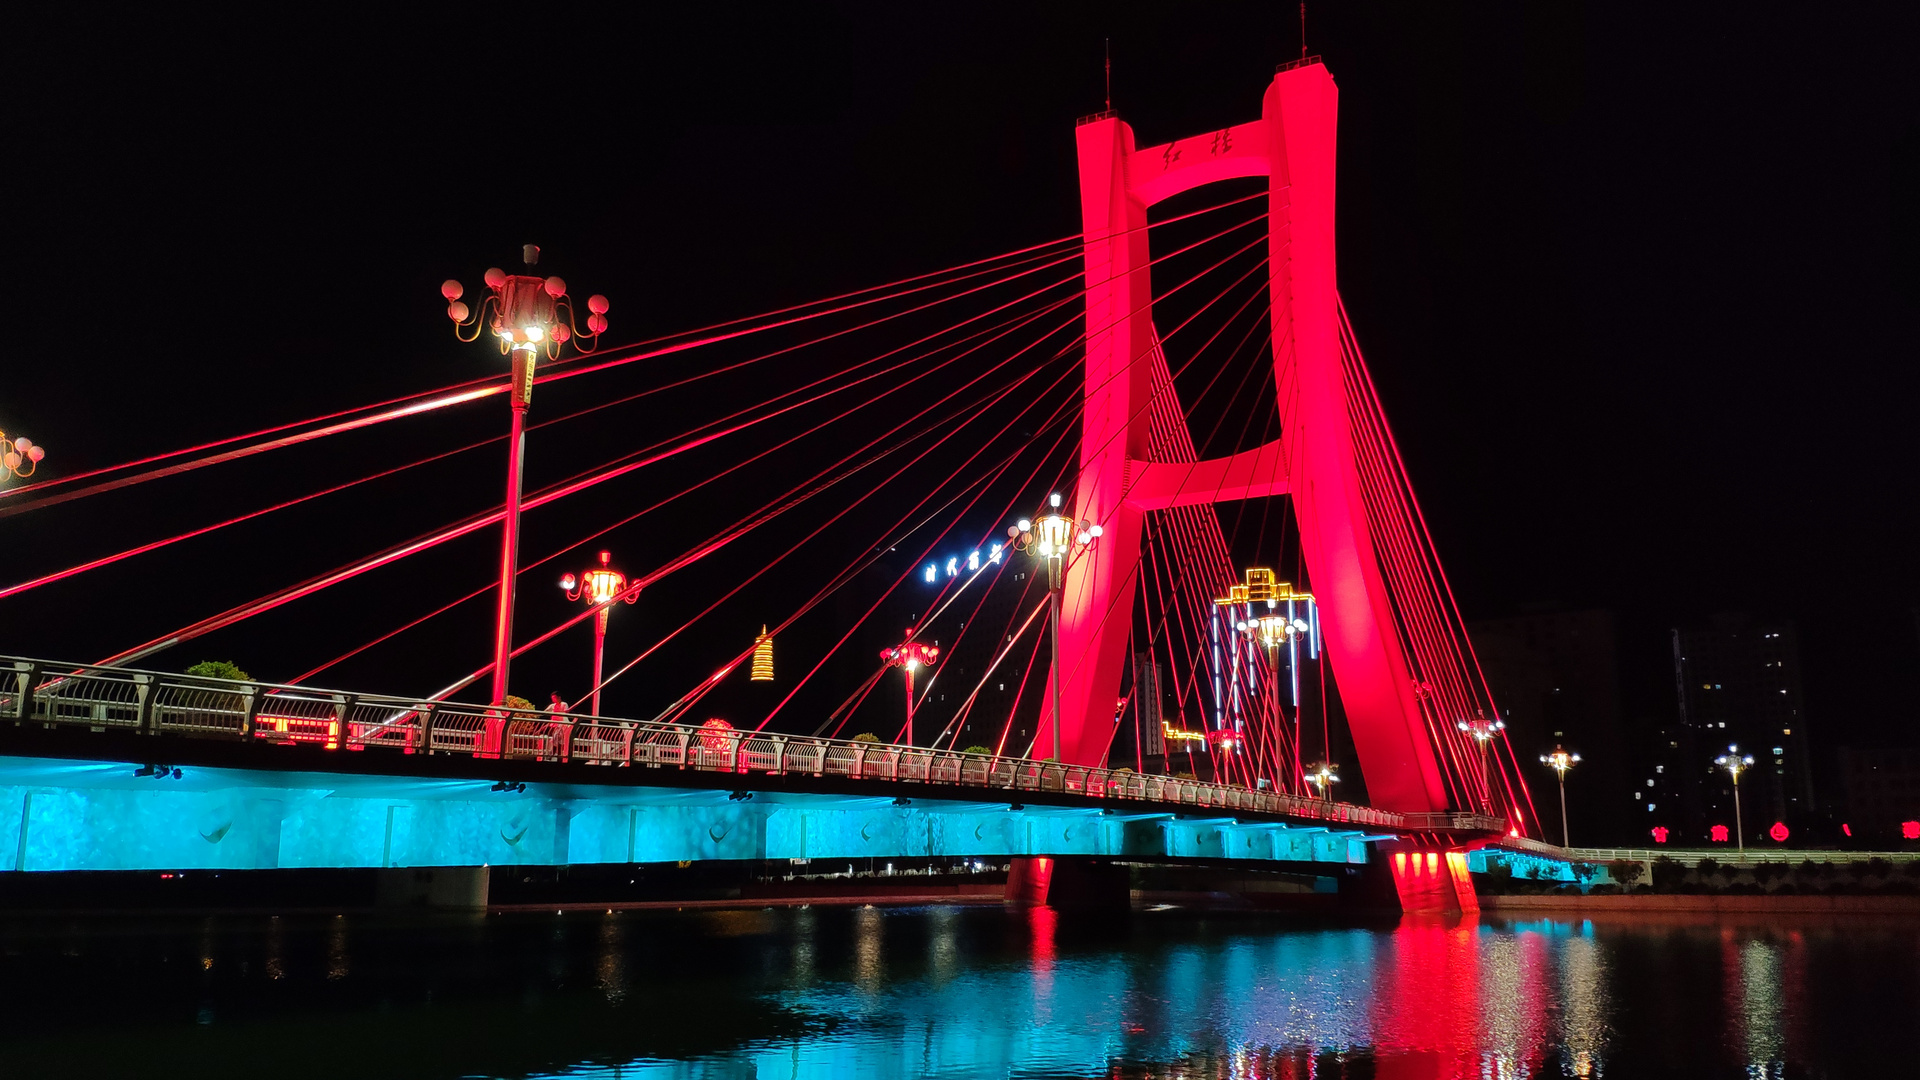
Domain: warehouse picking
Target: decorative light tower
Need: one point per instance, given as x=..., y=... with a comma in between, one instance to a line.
x=909, y=656
x=1272, y=628
x=762, y=670
x=1050, y=538
x=600, y=587
x=1323, y=775
x=1483, y=731
x=19, y=457
x=1736, y=763
x=1560, y=761
x=528, y=315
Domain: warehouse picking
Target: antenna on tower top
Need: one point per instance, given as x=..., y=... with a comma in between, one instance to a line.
x=1109, y=74
x=1303, y=29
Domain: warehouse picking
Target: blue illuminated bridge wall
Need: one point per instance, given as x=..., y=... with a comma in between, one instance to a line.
x=65, y=814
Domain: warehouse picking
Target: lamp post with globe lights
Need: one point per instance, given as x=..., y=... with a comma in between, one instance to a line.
x=19, y=457
x=1736, y=763
x=1323, y=775
x=1051, y=537
x=910, y=656
x=599, y=586
x=528, y=315
x=1483, y=731
x=1560, y=761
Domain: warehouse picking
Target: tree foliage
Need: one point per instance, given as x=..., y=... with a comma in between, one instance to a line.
x=219, y=669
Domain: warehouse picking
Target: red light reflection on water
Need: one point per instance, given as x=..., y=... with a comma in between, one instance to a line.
x=1453, y=1004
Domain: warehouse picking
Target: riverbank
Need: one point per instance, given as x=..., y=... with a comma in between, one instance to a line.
x=1695, y=902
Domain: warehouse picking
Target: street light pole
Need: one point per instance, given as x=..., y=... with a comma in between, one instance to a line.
x=909, y=656
x=1051, y=536
x=601, y=586
x=1560, y=761
x=1736, y=763
x=530, y=315
x=521, y=395
x=1483, y=731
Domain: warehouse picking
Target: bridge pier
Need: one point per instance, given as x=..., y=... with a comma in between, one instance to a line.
x=1431, y=881
x=1033, y=880
x=434, y=888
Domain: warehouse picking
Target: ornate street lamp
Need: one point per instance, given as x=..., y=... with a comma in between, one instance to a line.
x=910, y=656
x=1323, y=775
x=1736, y=763
x=1560, y=761
x=19, y=457
x=600, y=586
x=1483, y=731
x=1050, y=538
x=528, y=315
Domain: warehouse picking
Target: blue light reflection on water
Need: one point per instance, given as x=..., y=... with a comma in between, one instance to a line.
x=952, y=992
x=1425, y=999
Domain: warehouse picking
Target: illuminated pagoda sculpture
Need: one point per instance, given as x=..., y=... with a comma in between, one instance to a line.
x=762, y=657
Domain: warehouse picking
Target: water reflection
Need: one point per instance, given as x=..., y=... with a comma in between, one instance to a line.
x=958, y=992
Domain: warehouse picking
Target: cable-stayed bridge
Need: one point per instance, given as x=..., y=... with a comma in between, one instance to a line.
x=1194, y=556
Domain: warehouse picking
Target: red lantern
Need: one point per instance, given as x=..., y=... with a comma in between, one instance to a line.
x=1910, y=830
x=1719, y=834
x=1659, y=834
x=716, y=734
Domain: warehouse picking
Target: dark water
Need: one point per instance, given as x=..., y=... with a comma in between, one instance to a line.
x=952, y=992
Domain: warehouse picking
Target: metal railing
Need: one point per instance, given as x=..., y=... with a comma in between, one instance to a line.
x=1690, y=857
x=158, y=703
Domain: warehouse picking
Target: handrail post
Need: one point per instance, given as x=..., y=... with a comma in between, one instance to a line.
x=425, y=711
x=342, y=704
x=249, y=709
x=143, y=719
x=25, y=674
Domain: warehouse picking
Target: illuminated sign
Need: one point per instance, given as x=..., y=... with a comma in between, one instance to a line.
x=1170, y=732
x=971, y=562
x=1659, y=834
x=1719, y=834
x=1778, y=832
x=1908, y=829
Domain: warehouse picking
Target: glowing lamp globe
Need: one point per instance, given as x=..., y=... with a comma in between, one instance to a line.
x=716, y=734
x=556, y=287
x=1054, y=532
x=452, y=289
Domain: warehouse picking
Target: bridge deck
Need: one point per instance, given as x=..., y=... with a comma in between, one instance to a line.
x=276, y=776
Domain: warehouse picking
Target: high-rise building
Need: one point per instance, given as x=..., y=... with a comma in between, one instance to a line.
x=1883, y=792
x=1555, y=679
x=1738, y=683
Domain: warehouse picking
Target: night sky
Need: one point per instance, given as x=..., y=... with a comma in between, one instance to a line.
x=1637, y=285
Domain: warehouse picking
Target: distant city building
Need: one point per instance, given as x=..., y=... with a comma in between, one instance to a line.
x=987, y=620
x=1882, y=790
x=1556, y=680
x=1738, y=683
